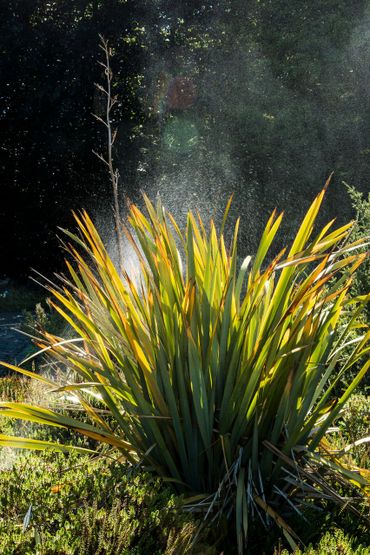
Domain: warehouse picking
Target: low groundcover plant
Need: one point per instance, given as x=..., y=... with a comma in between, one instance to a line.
x=218, y=378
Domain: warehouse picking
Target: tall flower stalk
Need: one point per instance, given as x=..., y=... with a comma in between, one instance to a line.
x=110, y=102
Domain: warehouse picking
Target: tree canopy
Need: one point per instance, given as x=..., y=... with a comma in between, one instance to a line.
x=256, y=97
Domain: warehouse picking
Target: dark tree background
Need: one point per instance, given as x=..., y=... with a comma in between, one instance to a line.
x=264, y=98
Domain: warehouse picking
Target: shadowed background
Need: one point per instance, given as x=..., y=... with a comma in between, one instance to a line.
x=258, y=98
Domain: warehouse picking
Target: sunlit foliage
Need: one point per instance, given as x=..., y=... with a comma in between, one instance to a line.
x=218, y=377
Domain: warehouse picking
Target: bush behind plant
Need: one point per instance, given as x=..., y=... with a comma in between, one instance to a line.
x=334, y=542
x=83, y=506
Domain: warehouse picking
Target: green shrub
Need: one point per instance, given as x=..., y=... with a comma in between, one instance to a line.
x=218, y=378
x=90, y=507
x=354, y=426
x=42, y=317
x=14, y=388
x=361, y=281
x=361, y=230
x=335, y=542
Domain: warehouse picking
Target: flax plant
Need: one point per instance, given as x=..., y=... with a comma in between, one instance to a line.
x=220, y=378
